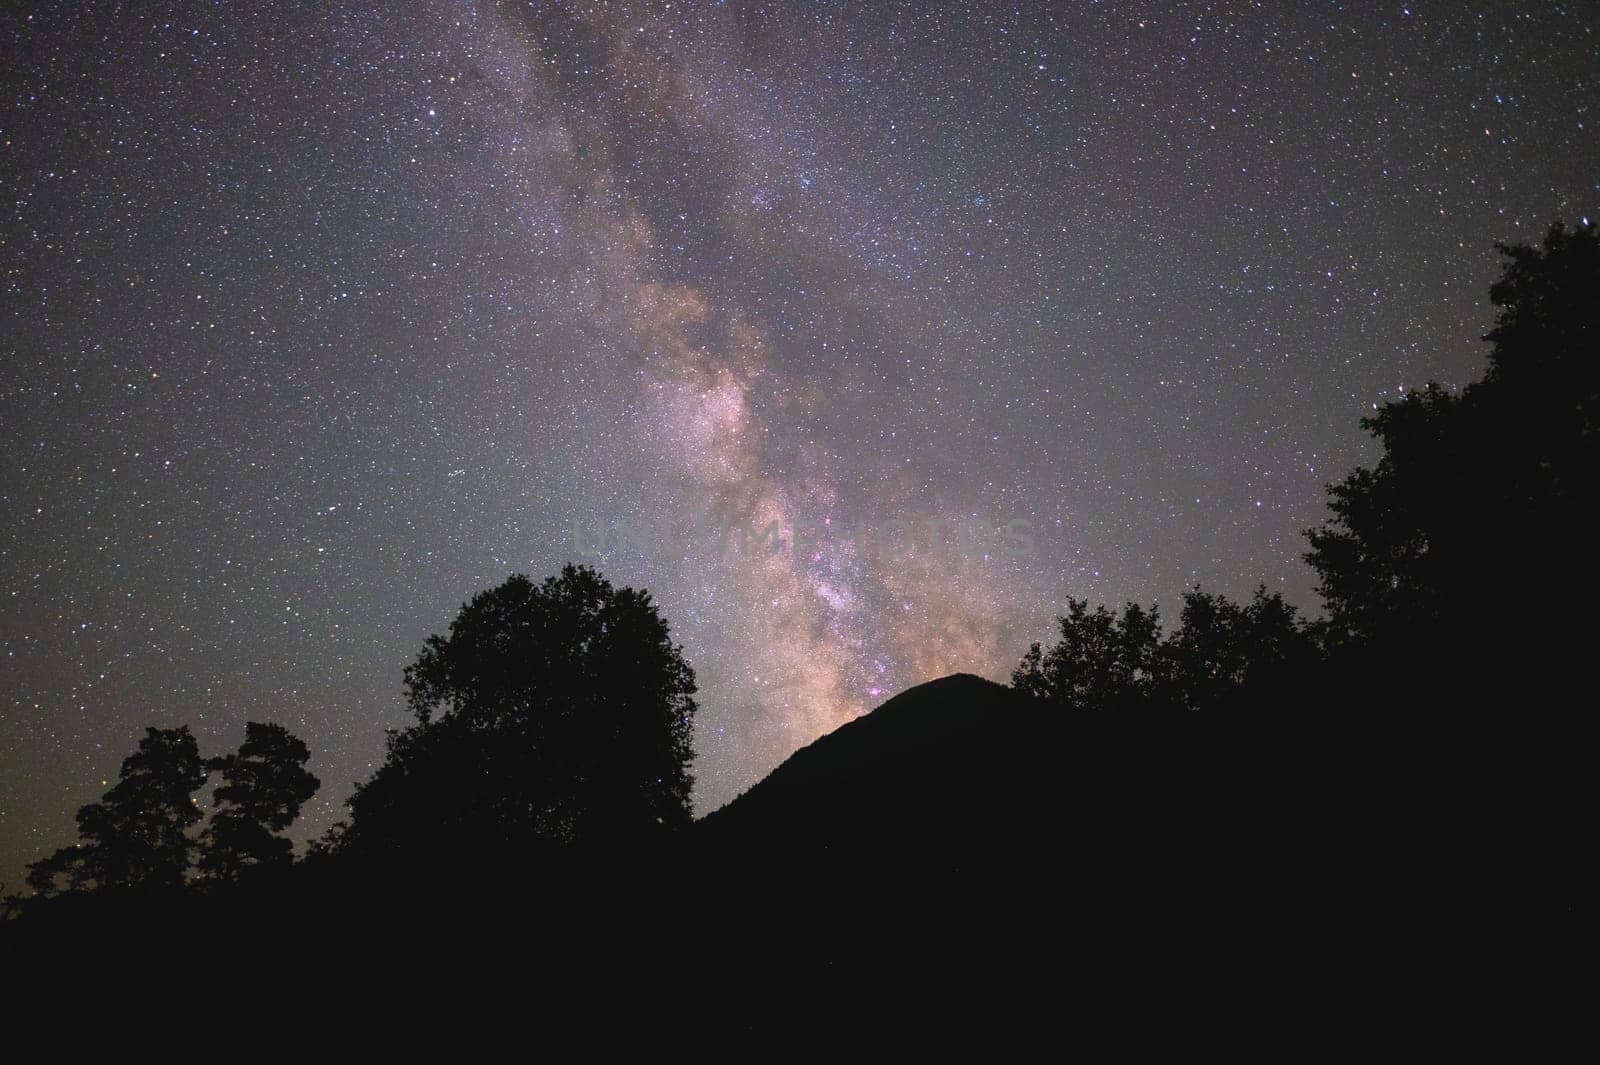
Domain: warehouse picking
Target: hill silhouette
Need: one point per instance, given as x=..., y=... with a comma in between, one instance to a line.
x=962, y=787
x=888, y=771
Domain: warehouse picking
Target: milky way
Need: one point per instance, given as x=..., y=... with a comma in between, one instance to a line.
x=318, y=318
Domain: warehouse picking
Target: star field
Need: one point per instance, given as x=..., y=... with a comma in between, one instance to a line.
x=317, y=318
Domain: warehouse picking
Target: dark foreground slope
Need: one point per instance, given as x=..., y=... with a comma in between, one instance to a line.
x=960, y=856
x=925, y=773
x=963, y=787
x=1327, y=803
x=958, y=801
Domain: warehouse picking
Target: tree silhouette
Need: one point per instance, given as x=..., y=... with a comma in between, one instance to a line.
x=1106, y=661
x=549, y=714
x=1481, y=498
x=1102, y=660
x=264, y=784
x=137, y=835
x=1221, y=646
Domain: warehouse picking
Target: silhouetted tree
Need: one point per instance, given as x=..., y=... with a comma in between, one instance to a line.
x=137, y=835
x=1220, y=646
x=550, y=713
x=263, y=787
x=1102, y=660
x=1382, y=559
x=1481, y=498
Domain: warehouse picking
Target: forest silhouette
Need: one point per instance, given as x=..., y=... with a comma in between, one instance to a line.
x=1421, y=728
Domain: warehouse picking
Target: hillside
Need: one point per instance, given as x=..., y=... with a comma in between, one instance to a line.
x=907, y=768
x=963, y=774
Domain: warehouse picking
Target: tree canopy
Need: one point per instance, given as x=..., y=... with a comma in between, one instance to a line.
x=140, y=834
x=137, y=835
x=264, y=784
x=1104, y=660
x=1482, y=496
x=548, y=714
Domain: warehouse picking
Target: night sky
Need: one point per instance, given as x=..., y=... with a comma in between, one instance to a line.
x=317, y=318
